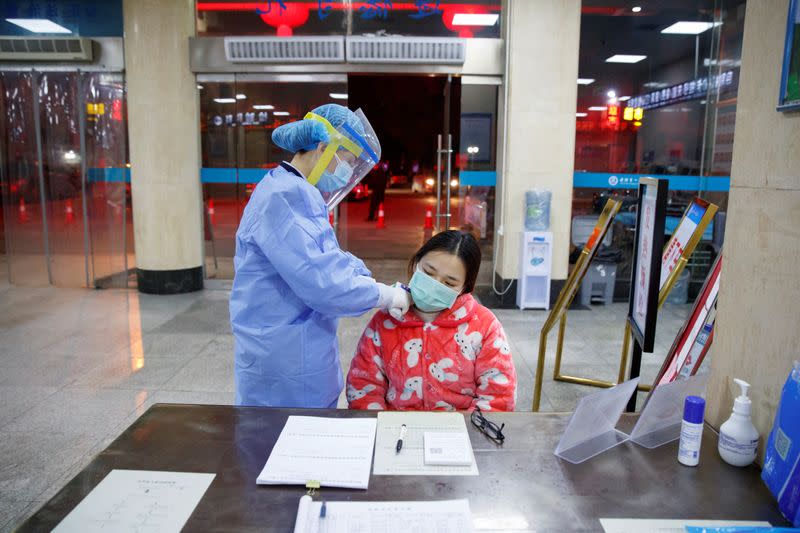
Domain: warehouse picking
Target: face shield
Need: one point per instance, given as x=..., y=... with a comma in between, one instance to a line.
x=353, y=150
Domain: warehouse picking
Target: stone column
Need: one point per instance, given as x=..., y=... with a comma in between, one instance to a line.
x=164, y=145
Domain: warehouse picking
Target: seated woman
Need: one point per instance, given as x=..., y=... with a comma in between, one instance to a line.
x=448, y=352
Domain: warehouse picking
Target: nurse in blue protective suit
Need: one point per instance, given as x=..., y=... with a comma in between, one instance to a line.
x=292, y=281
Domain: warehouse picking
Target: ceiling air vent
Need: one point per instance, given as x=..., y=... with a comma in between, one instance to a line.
x=45, y=49
x=284, y=49
x=429, y=50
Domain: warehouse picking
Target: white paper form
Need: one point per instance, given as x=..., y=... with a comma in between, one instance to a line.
x=447, y=448
x=411, y=459
x=450, y=516
x=635, y=525
x=138, y=501
x=337, y=452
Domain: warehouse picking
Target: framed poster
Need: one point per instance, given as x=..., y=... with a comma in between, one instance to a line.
x=565, y=297
x=686, y=354
x=681, y=237
x=575, y=278
x=789, y=97
x=646, y=273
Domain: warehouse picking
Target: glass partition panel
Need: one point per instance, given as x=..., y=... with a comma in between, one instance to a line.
x=476, y=161
x=61, y=162
x=219, y=141
x=25, y=238
x=65, y=179
x=108, y=189
x=657, y=97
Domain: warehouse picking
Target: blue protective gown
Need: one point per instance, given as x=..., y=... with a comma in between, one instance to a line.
x=292, y=282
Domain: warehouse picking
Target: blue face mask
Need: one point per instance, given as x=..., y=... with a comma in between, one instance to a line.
x=429, y=295
x=333, y=181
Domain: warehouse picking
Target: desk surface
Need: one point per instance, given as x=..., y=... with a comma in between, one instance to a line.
x=522, y=486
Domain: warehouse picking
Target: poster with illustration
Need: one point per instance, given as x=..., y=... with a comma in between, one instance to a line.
x=677, y=244
x=646, y=272
x=789, y=98
x=643, y=268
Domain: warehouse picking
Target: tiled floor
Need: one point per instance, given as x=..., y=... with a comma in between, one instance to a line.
x=78, y=366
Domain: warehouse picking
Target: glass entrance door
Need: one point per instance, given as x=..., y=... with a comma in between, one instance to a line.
x=410, y=114
x=21, y=182
x=238, y=114
x=476, y=160
x=439, y=140
x=64, y=177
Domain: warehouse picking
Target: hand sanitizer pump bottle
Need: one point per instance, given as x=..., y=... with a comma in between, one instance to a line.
x=738, y=437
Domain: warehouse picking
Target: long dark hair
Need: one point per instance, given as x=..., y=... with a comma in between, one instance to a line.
x=457, y=243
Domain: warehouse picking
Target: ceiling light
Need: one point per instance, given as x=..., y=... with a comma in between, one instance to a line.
x=281, y=113
x=39, y=25
x=611, y=94
x=655, y=84
x=625, y=58
x=263, y=106
x=636, y=9
x=624, y=98
x=581, y=114
x=597, y=108
x=199, y=87
x=241, y=96
x=585, y=81
x=338, y=96
x=225, y=100
x=475, y=19
x=689, y=28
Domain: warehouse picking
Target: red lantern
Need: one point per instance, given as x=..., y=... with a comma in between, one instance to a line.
x=285, y=20
x=116, y=110
x=449, y=13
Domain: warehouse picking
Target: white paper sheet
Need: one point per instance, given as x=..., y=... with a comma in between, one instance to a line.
x=451, y=516
x=635, y=525
x=411, y=459
x=337, y=452
x=447, y=448
x=138, y=501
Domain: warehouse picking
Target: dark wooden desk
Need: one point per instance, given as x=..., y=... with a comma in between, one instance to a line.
x=522, y=486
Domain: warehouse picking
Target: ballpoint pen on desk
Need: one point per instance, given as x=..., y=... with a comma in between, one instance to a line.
x=323, y=511
x=400, y=439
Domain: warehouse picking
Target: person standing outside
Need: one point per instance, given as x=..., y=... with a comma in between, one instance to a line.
x=377, y=182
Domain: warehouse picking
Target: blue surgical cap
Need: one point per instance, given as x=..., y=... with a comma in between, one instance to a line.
x=307, y=134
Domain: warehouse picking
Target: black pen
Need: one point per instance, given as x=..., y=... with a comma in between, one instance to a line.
x=400, y=439
x=322, y=512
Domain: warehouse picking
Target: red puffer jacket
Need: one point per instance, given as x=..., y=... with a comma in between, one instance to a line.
x=460, y=360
